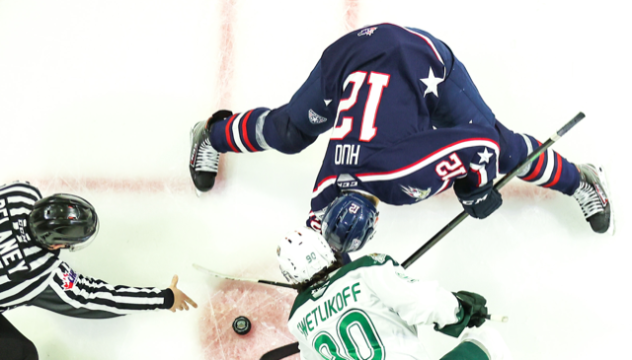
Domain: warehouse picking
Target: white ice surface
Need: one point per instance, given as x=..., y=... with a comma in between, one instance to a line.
x=98, y=98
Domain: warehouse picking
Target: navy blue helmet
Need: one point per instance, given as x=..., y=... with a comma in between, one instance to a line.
x=349, y=222
x=63, y=219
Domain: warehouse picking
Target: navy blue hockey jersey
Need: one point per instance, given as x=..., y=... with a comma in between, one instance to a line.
x=407, y=123
x=404, y=129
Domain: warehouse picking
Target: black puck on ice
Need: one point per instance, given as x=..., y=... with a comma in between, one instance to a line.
x=241, y=325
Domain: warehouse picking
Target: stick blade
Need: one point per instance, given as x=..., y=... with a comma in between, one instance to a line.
x=219, y=275
x=281, y=353
x=498, y=318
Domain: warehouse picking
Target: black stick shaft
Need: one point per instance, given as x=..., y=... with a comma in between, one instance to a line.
x=457, y=220
x=268, y=282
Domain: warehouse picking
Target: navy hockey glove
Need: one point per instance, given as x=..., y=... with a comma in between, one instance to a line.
x=472, y=313
x=480, y=202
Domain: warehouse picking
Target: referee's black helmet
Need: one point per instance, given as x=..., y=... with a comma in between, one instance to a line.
x=63, y=219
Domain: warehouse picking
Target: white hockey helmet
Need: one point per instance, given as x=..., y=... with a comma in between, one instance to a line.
x=302, y=253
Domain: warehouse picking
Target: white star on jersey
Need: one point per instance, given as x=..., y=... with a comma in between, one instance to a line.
x=485, y=156
x=431, y=83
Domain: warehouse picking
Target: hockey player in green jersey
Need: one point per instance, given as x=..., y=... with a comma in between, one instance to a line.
x=371, y=309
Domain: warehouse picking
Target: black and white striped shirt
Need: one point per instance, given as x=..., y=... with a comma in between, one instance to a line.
x=29, y=271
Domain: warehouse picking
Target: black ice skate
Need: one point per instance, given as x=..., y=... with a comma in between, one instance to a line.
x=592, y=196
x=204, y=161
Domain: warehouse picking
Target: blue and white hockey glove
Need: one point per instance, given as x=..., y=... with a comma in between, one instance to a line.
x=480, y=202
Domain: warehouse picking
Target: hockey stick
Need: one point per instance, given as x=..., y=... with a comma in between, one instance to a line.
x=222, y=276
x=530, y=158
x=291, y=349
x=281, y=352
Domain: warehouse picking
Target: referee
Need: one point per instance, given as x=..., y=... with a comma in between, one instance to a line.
x=32, y=232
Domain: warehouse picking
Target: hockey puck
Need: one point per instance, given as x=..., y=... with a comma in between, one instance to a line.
x=241, y=325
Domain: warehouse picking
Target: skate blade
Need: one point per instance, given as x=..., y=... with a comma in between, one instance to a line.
x=604, y=182
x=198, y=193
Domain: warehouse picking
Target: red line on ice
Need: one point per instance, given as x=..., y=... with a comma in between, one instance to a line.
x=182, y=184
x=351, y=14
x=223, y=88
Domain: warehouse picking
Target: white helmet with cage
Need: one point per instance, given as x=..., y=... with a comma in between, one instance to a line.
x=303, y=253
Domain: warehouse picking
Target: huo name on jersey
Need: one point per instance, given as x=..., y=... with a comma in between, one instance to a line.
x=347, y=154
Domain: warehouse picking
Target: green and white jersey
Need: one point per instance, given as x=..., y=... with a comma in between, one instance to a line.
x=369, y=309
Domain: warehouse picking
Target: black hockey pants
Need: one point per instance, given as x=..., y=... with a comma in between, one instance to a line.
x=14, y=345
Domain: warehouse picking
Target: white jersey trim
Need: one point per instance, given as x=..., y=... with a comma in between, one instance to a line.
x=550, y=164
x=527, y=167
x=428, y=41
x=405, y=171
x=237, y=135
x=259, y=131
x=323, y=185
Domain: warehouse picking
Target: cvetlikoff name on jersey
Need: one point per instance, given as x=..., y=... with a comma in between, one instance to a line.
x=328, y=308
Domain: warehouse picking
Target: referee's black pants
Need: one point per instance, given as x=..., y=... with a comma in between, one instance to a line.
x=14, y=345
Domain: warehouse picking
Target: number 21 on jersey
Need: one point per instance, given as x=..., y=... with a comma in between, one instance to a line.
x=378, y=82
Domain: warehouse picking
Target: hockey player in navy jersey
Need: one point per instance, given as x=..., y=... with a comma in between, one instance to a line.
x=371, y=308
x=408, y=123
